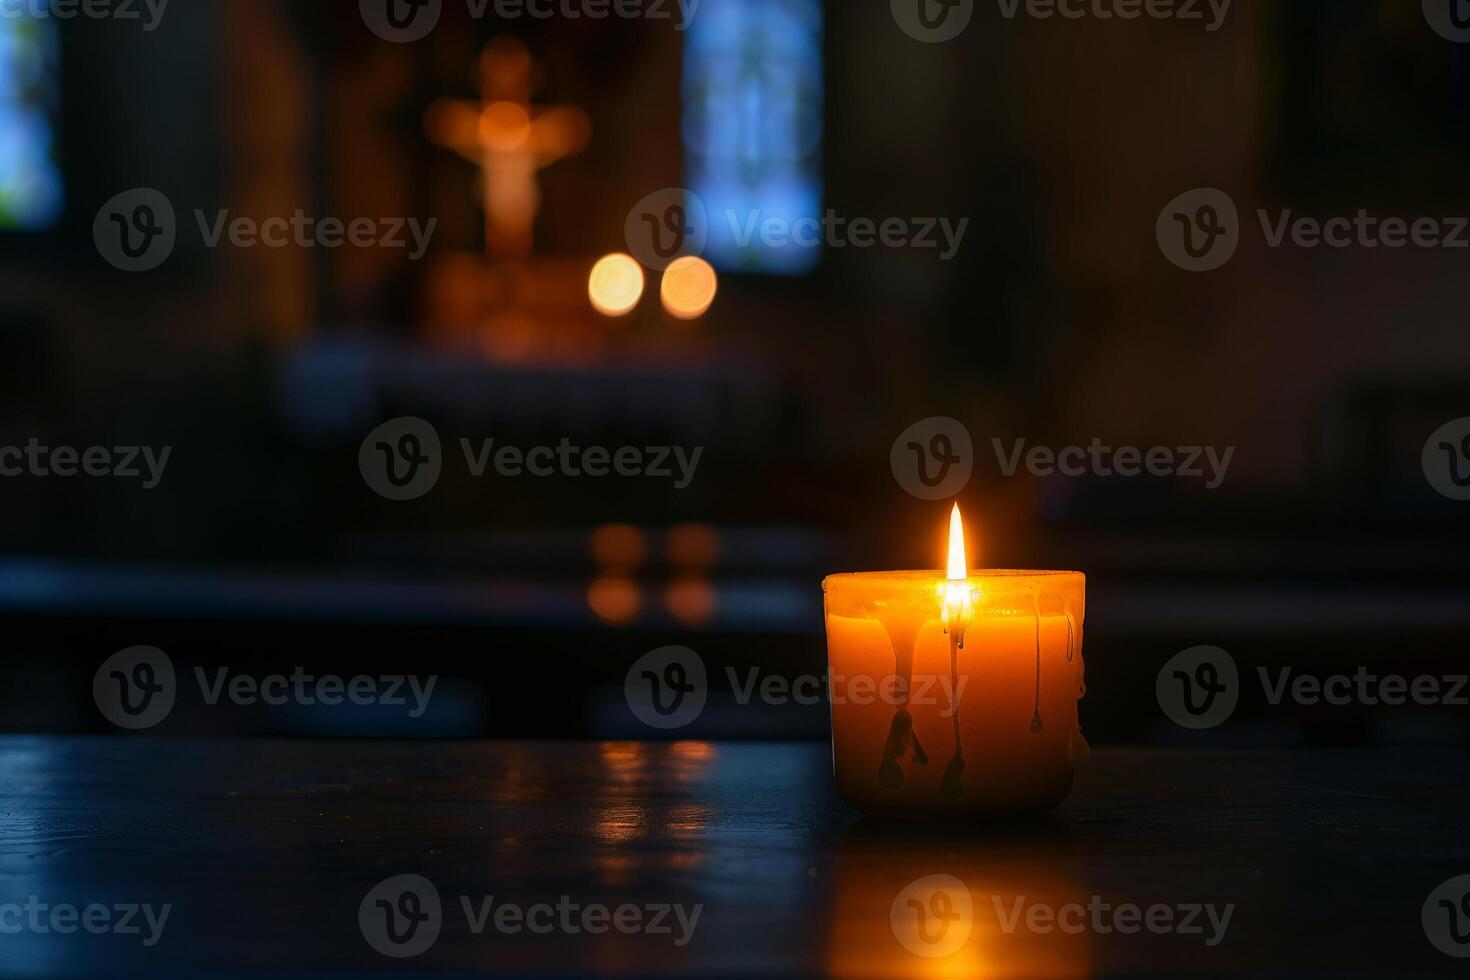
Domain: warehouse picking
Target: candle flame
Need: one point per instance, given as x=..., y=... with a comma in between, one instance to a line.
x=957, y=598
x=959, y=568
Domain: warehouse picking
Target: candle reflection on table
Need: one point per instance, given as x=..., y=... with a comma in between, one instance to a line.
x=910, y=903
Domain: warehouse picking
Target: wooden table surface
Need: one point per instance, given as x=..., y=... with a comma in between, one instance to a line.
x=266, y=851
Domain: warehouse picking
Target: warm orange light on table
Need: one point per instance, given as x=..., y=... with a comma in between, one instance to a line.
x=955, y=693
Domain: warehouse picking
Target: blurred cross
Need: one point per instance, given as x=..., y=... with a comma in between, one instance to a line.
x=510, y=140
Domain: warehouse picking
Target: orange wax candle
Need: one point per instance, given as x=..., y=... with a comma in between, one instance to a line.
x=955, y=693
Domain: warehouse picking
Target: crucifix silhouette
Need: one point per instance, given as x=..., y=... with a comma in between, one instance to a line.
x=510, y=140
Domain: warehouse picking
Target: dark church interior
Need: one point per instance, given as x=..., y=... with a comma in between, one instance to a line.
x=345, y=340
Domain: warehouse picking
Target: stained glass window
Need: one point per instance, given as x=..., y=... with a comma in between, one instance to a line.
x=753, y=131
x=30, y=179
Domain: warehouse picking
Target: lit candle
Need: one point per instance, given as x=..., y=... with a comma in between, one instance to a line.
x=956, y=692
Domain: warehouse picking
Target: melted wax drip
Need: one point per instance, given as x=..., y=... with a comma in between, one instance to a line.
x=1078, y=748
x=950, y=786
x=901, y=731
x=1036, y=723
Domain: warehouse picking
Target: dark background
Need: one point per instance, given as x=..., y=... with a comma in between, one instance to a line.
x=1059, y=321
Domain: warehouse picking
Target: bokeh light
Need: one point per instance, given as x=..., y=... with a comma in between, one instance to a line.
x=690, y=600
x=689, y=288
x=619, y=547
x=693, y=546
x=614, y=600
x=616, y=285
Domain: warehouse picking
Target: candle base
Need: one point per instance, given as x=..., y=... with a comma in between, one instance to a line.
x=999, y=807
